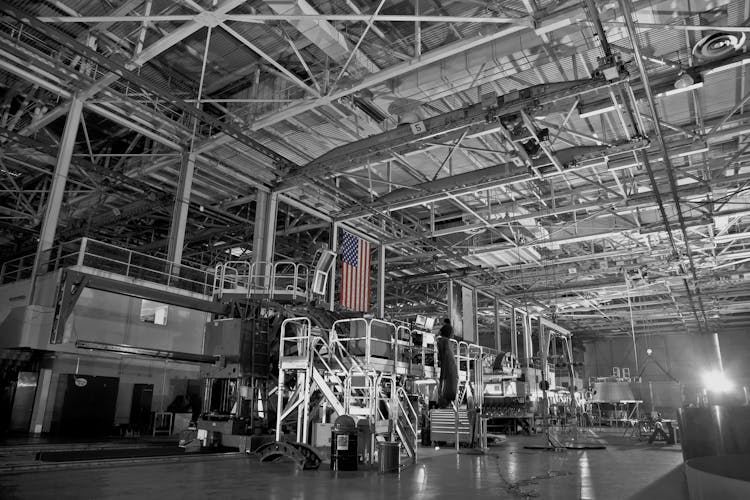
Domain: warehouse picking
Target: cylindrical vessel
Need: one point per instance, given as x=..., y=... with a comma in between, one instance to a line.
x=716, y=430
x=389, y=457
x=344, y=444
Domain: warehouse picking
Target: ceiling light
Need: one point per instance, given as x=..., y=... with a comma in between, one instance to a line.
x=690, y=152
x=680, y=90
x=683, y=81
x=594, y=112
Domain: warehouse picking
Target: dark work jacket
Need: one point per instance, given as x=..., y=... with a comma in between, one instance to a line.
x=446, y=331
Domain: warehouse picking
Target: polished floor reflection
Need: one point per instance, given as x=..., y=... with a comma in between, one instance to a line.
x=625, y=469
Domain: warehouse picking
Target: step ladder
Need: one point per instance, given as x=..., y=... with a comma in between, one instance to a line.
x=443, y=426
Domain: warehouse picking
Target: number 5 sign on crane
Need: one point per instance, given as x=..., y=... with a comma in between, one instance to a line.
x=418, y=128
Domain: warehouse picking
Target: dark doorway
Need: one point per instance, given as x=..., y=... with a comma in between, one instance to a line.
x=89, y=406
x=140, y=409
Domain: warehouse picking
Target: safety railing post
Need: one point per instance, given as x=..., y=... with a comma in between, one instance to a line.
x=368, y=339
x=82, y=251
x=57, y=257
x=127, y=266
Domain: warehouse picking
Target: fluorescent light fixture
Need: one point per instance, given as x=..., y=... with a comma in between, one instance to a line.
x=668, y=93
x=425, y=381
x=690, y=152
x=717, y=381
x=735, y=64
x=594, y=112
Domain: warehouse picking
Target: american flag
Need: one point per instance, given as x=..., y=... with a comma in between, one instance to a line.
x=355, y=273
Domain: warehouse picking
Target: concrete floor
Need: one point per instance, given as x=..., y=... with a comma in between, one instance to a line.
x=626, y=469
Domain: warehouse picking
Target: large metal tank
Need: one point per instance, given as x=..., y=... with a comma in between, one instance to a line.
x=611, y=392
x=715, y=430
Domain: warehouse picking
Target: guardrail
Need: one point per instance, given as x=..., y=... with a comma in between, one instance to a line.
x=87, y=252
x=411, y=418
x=282, y=279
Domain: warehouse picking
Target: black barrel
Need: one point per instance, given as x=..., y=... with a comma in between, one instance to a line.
x=344, y=444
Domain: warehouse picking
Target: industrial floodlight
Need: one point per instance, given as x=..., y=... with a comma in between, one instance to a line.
x=717, y=381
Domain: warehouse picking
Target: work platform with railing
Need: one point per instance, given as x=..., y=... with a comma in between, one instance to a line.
x=375, y=371
x=88, y=263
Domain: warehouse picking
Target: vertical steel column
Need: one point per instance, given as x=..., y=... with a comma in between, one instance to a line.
x=332, y=277
x=57, y=190
x=185, y=183
x=543, y=356
x=475, y=299
x=180, y=209
x=497, y=325
x=264, y=237
x=528, y=343
x=381, y=281
x=41, y=399
x=417, y=31
x=513, y=333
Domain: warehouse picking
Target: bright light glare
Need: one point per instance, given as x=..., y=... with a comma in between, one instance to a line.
x=717, y=381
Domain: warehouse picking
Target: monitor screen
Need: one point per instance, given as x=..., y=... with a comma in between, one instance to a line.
x=429, y=324
x=421, y=321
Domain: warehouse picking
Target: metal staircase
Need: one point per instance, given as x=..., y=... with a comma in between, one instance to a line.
x=407, y=423
x=358, y=371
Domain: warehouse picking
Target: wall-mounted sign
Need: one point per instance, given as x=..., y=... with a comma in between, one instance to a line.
x=81, y=382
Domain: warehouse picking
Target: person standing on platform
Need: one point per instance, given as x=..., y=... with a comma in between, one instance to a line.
x=448, y=382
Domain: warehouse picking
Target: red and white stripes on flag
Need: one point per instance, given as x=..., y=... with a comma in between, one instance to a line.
x=355, y=273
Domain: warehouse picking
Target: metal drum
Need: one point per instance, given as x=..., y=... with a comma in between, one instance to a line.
x=389, y=457
x=716, y=430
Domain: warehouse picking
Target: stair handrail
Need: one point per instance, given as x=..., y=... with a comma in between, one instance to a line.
x=303, y=339
x=404, y=331
x=392, y=341
x=318, y=355
x=370, y=397
x=463, y=354
x=218, y=270
x=295, y=278
x=336, y=340
x=259, y=276
x=401, y=393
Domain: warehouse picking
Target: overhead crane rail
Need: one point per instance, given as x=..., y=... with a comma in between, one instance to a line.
x=488, y=114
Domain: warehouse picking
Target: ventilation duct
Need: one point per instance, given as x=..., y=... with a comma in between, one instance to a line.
x=720, y=44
